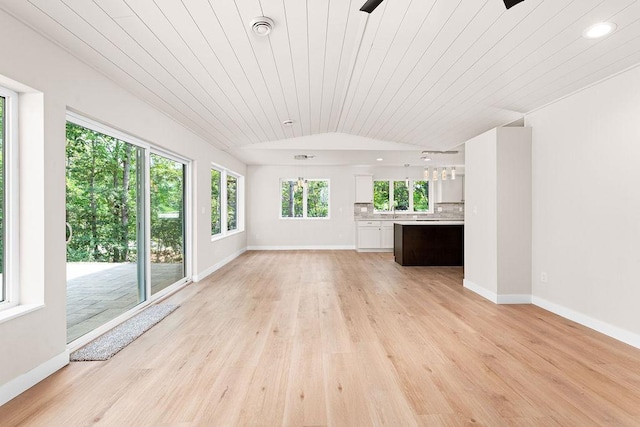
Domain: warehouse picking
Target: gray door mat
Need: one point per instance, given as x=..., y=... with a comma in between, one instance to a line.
x=108, y=344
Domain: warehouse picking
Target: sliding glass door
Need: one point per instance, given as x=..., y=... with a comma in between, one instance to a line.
x=105, y=249
x=126, y=225
x=167, y=194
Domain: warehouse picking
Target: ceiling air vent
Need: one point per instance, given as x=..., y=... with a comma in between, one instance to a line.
x=261, y=25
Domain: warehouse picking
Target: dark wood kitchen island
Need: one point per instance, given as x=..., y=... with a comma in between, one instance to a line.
x=429, y=243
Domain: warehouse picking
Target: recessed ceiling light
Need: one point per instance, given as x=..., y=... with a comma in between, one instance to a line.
x=379, y=159
x=426, y=158
x=598, y=30
x=261, y=25
x=287, y=123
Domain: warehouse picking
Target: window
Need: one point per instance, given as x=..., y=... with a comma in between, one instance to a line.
x=317, y=199
x=420, y=196
x=404, y=195
x=308, y=199
x=216, y=213
x=232, y=203
x=226, y=202
x=401, y=195
x=8, y=189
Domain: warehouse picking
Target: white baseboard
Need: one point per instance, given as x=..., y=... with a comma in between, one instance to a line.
x=198, y=277
x=514, y=299
x=590, y=322
x=24, y=382
x=376, y=250
x=485, y=293
x=496, y=298
x=302, y=248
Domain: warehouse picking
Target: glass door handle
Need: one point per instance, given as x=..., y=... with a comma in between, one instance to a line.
x=70, y=232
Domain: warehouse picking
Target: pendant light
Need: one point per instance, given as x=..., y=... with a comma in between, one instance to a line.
x=435, y=174
x=453, y=173
x=426, y=174
x=444, y=174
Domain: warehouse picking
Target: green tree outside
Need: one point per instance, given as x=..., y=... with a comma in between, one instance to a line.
x=317, y=199
x=381, y=196
x=232, y=202
x=102, y=174
x=216, y=213
x=103, y=187
x=401, y=195
x=421, y=196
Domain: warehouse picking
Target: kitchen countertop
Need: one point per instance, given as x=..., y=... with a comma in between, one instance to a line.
x=431, y=222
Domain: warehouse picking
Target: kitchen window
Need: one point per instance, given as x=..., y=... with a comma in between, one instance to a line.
x=307, y=198
x=401, y=196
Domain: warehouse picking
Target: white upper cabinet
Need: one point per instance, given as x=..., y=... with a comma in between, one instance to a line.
x=364, y=189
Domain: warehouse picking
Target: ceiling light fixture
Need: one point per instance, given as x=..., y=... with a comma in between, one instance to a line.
x=428, y=153
x=599, y=30
x=435, y=174
x=425, y=174
x=261, y=25
x=379, y=159
x=453, y=173
x=426, y=158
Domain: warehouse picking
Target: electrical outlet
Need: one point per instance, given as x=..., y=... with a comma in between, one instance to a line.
x=543, y=277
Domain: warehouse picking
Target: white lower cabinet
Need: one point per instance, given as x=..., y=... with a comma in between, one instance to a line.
x=375, y=235
x=386, y=236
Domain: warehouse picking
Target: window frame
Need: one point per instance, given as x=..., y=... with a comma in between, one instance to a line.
x=226, y=200
x=10, y=275
x=220, y=207
x=411, y=185
x=305, y=199
x=223, y=202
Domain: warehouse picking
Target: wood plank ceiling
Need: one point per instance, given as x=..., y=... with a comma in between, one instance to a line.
x=431, y=73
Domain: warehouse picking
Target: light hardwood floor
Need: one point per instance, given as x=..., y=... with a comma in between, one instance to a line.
x=344, y=339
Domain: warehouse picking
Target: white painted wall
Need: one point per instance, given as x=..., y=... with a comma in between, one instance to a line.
x=267, y=231
x=498, y=215
x=480, y=217
x=514, y=213
x=586, y=205
x=38, y=338
x=450, y=190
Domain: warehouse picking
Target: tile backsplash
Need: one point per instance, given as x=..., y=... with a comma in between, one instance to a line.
x=453, y=211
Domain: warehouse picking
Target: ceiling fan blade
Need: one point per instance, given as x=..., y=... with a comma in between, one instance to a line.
x=370, y=5
x=511, y=3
